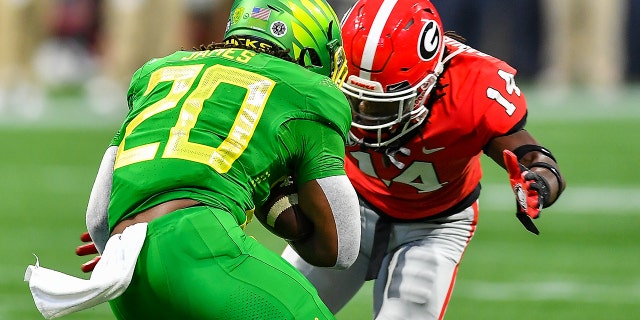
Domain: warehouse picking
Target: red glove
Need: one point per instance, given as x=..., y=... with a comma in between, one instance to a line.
x=87, y=249
x=530, y=190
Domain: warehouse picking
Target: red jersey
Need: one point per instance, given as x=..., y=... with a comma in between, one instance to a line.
x=441, y=164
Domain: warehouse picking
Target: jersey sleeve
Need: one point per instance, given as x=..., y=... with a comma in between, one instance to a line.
x=500, y=105
x=327, y=104
x=316, y=150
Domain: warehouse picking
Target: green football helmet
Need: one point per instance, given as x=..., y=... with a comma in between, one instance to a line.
x=310, y=29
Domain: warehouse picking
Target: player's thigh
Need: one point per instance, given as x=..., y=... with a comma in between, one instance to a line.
x=416, y=285
x=278, y=283
x=335, y=287
x=420, y=273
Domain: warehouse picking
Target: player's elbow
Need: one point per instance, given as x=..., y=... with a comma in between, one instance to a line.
x=338, y=255
x=348, y=241
x=346, y=258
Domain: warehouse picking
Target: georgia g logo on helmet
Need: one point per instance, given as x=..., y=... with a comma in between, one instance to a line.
x=429, y=41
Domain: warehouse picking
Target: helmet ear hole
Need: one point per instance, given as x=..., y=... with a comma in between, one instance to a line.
x=330, y=31
x=309, y=54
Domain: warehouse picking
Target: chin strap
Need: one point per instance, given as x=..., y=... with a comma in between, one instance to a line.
x=391, y=155
x=440, y=66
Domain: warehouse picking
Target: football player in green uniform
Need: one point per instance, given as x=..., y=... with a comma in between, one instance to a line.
x=207, y=133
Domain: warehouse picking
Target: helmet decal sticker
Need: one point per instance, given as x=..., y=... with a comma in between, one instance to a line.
x=260, y=13
x=278, y=29
x=237, y=15
x=364, y=84
x=259, y=18
x=395, y=87
x=429, y=41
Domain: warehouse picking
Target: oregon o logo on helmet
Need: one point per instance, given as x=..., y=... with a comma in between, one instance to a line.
x=429, y=41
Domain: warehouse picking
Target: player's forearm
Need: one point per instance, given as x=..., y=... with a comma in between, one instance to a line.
x=531, y=154
x=316, y=251
x=544, y=164
x=346, y=213
x=550, y=172
x=96, y=215
x=335, y=240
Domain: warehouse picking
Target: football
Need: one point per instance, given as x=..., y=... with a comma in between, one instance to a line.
x=282, y=215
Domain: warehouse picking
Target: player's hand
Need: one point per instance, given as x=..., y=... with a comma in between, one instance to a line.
x=86, y=249
x=529, y=188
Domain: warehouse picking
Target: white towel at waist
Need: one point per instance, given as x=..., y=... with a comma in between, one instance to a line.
x=57, y=294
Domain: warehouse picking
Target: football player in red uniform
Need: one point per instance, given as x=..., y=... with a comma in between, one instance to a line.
x=425, y=108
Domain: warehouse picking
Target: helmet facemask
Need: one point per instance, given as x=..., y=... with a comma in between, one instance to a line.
x=339, y=68
x=387, y=116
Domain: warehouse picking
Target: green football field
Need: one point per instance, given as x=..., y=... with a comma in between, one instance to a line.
x=585, y=264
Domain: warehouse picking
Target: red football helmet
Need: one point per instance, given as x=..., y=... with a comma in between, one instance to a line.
x=394, y=51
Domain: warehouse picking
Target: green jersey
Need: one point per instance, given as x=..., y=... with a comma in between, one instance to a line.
x=220, y=127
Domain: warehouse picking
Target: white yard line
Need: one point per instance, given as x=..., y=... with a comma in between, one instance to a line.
x=576, y=199
x=495, y=196
x=566, y=290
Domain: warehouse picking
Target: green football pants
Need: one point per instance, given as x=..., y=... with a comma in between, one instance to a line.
x=197, y=263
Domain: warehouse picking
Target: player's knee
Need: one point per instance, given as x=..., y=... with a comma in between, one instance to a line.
x=418, y=275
